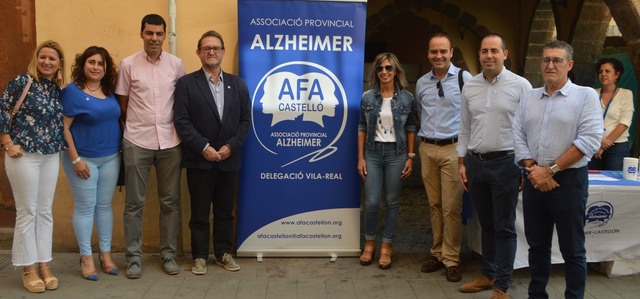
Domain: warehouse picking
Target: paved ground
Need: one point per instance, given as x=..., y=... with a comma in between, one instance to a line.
x=306, y=278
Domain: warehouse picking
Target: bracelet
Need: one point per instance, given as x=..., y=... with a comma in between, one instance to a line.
x=74, y=162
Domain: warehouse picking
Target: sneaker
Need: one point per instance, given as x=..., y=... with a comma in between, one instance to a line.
x=453, y=274
x=432, y=265
x=227, y=262
x=134, y=270
x=499, y=294
x=199, y=266
x=479, y=284
x=170, y=267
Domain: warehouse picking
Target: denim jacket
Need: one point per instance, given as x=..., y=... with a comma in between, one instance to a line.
x=403, y=109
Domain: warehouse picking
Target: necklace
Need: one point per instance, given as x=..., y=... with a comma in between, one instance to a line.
x=93, y=90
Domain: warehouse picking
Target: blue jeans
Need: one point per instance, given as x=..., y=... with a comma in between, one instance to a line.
x=564, y=208
x=92, y=199
x=494, y=187
x=384, y=166
x=612, y=158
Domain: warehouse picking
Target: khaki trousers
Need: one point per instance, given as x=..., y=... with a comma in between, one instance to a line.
x=444, y=192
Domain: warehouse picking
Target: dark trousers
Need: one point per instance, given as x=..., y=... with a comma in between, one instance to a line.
x=564, y=208
x=494, y=187
x=612, y=158
x=209, y=187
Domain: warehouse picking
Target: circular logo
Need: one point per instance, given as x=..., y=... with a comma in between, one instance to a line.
x=599, y=213
x=299, y=111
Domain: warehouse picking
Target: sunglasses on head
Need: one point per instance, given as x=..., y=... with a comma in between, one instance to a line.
x=388, y=68
x=440, y=91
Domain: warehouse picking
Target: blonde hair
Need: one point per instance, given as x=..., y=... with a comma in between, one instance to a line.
x=59, y=76
x=399, y=77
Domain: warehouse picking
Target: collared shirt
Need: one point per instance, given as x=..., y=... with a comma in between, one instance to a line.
x=150, y=87
x=217, y=90
x=620, y=113
x=439, y=116
x=545, y=126
x=486, y=112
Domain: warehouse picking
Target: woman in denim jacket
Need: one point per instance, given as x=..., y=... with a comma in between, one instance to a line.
x=386, y=133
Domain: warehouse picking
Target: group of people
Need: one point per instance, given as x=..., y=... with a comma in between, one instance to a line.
x=146, y=112
x=491, y=135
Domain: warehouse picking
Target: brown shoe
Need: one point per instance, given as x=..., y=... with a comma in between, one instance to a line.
x=479, y=284
x=431, y=265
x=499, y=294
x=385, y=256
x=368, y=252
x=453, y=274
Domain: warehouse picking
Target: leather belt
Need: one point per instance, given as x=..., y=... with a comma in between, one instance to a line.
x=491, y=155
x=440, y=141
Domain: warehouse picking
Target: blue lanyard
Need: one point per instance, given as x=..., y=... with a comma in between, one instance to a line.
x=604, y=115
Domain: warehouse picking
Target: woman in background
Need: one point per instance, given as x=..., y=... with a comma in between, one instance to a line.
x=386, y=134
x=617, y=111
x=31, y=143
x=92, y=162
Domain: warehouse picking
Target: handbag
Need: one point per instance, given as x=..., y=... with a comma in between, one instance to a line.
x=19, y=102
x=121, y=181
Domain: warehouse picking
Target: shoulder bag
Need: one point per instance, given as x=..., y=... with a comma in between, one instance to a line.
x=19, y=102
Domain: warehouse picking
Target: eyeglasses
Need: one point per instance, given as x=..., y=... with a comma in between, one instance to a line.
x=388, y=68
x=217, y=50
x=555, y=60
x=440, y=90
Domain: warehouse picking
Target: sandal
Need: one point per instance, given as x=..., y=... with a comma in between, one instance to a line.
x=51, y=282
x=34, y=286
x=385, y=256
x=368, y=252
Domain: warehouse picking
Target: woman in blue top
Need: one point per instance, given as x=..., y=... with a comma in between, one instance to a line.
x=92, y=162
x=31, y=143
x=386, y=134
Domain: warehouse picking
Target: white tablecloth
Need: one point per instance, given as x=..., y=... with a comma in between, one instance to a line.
x=612, y=231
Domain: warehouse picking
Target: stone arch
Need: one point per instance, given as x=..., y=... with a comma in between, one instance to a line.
x=405, y=11
x=626, y=13
x=543, y=29
x=587, y=39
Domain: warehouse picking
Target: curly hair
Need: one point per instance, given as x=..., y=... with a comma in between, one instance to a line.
x=108, y=82
x=617, y=65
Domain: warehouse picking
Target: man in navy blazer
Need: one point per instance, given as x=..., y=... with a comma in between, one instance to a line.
x=212, y=113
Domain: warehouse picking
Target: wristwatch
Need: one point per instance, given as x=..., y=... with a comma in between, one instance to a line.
x=411, y=156
x=554, y=168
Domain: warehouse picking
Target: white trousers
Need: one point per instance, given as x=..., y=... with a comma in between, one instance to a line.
x=33, y=178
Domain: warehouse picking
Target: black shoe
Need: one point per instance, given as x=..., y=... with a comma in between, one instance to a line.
x=453, y=274
x=432, y=265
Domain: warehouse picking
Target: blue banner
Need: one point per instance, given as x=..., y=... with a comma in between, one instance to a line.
x=299, y=191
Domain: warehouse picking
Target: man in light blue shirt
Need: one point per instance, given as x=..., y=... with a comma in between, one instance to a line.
x=438, y=96
x=485, y=162
x=556, y=129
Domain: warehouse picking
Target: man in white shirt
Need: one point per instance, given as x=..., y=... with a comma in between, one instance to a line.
x=485, y=162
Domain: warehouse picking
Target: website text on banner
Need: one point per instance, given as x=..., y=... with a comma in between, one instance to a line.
x=299, y=191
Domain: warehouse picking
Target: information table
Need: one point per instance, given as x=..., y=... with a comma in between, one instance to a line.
x=611, y=230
